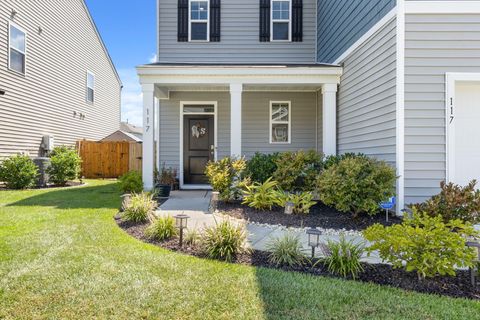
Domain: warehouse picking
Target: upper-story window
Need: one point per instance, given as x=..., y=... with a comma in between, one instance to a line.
x=281, y=20
x=90, y=87
x=17, y=47
x=199, y=20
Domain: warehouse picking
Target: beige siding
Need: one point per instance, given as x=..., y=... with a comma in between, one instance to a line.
x=255, y=135
x=239, y=37
x=367, y=98
x=54, y=87
x=435, y=44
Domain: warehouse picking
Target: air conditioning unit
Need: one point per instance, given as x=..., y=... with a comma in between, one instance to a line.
x=48, y=143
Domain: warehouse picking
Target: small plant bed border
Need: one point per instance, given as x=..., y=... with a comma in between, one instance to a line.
x=382, y=274
x=320, y=216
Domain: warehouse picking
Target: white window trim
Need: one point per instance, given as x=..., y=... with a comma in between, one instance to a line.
x=198, y=21
x=271, y=122
x=281, y=20
x=10, y=24
x=87, y=87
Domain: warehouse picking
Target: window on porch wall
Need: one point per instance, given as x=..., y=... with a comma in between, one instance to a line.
x=280, y=122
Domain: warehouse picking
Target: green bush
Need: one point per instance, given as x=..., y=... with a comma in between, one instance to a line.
x=162, y=228
x=332, y=160
x=297, y=171
x=357, y=185
x=261, y=167
x=140, y=208
x=454, y=202
x=64, y=165
x=286, y=251
x=343, y=257
x=302, y=201
x=424, y=244
x=225, y=176
x=261, y=196
x=131, y=182
x=224, y=241
x=18, y=172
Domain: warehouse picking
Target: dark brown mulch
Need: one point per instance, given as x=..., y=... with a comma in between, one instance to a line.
x=383, y=274
x=320, y=216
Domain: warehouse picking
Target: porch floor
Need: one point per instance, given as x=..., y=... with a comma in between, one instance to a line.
x=196, y=204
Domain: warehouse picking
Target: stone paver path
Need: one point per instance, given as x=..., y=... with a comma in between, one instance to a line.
x=196, y=204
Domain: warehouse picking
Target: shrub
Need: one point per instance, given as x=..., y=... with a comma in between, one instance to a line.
x=286, y=251
x=192, y=237
x=302, y=201
x=357, y=185
x=131, y=182
x=261, y=196
x=343, y=257
x=225, y=176
x=261, y=167
x=224, y=241
x=140, y=208
x=162, y=228
x=64, y=165
x=454, y=202
x=424, y=244
x=297, y=171
x=332, y=160
x=18, y=172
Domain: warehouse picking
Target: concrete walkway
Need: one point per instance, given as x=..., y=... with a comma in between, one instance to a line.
x=196, y=204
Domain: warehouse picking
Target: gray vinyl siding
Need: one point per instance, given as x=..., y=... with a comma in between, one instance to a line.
x=256, y=113
x=342, y=22
x=43, y=101
x=239, y=37
x=367, y=98
x=435, y=44
x=255, y=130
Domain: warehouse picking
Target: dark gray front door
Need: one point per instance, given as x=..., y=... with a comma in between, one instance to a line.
x=198, y=147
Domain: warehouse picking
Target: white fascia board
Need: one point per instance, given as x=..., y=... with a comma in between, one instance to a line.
x=377, y=27
x=442, y=7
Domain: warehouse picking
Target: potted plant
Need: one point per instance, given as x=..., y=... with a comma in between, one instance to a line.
x=165, y=181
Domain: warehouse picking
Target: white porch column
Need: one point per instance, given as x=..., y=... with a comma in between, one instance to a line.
x=148, y=163
x=329, y=92
x=236, y=90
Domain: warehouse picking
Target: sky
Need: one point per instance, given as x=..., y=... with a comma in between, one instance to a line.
x=128, y=28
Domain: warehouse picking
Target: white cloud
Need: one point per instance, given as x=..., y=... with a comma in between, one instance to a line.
x=153, y=58
x=132, y=109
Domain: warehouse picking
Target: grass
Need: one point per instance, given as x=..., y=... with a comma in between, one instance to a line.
x=62, y=256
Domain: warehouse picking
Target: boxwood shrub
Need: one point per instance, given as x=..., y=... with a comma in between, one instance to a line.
x=357, y=185
x=64, y=165
x=297, y=171
x=261, y=167
x=18, y=172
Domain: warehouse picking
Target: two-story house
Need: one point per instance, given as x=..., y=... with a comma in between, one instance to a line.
x=397, y=80
x=59, y=84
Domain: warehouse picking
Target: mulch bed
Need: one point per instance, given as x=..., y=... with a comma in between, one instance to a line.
x=320, y=216
x=383, y=274
x=50, y=186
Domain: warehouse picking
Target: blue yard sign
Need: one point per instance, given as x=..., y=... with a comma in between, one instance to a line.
x=387, y=205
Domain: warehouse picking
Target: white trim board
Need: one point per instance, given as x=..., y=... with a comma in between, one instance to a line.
x=451, y=80
x=442, y=7
x=400, y=108
x=378, y=26
x=215, y=132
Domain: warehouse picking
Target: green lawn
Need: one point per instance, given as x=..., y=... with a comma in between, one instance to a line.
x=62, y=256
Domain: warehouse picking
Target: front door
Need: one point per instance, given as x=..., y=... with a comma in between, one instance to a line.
x=198, y=147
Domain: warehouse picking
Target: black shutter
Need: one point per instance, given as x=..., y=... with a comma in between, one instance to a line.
x=297, y=20
x=264, y=20
x=182, y=20
x=215, y=20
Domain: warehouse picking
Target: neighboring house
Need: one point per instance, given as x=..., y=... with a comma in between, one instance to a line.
x=120, y=135
x=132, y=129
x=397, y=80
x=58, y=78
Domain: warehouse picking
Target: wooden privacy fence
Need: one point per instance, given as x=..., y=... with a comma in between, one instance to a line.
x=109, y=159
